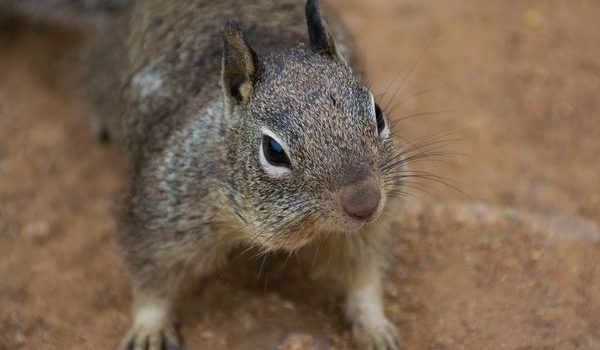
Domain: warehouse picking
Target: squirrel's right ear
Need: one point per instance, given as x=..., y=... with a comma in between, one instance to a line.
x=241, y=68
x=321, y=40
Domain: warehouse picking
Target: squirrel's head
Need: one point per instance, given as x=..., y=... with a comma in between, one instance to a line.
x=312, y=148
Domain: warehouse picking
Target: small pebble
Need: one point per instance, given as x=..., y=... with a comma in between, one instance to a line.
x=206, y=335
x=37, y=230
x=289, y=305
x=19, y=338
x=532, y=18
x=299, y=342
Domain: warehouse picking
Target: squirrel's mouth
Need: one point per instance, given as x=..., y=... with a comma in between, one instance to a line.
x=340, y=222
x=349, y=212
x=335, y=222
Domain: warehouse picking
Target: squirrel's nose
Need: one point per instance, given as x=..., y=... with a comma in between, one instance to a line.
x=361, y=200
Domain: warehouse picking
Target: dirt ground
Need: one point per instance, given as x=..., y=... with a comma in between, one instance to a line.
x=514, y=263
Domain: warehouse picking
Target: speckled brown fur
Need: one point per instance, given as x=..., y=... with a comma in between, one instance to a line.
x=189, y=97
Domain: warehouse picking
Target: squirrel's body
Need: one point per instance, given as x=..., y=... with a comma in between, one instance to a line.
x=282, y=149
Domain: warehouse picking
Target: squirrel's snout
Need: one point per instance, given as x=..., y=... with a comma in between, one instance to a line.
x=360, y=200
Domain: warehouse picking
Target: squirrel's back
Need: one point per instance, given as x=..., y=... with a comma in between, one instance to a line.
x=175, y=49
x=174, y=52
x=64, y=11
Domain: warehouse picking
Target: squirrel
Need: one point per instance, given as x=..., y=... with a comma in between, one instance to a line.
x=286, y=150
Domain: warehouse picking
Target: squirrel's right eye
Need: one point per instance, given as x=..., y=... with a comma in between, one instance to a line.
x=274, y=153
x=379, y=119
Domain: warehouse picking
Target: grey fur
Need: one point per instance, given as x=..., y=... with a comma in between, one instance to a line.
x=68, y=12
x=192, y=131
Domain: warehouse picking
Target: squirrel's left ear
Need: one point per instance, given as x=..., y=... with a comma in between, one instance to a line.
x=321, y=40
x=241, y=68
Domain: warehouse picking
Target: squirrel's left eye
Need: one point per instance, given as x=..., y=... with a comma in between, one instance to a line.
x=274, y=153
x=381, y=125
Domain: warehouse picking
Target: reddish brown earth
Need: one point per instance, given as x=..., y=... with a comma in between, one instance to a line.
x=514, y=264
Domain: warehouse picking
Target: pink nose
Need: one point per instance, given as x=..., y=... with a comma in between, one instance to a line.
x=361, y=200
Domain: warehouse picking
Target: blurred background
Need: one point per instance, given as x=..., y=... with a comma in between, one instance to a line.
x=505, y=255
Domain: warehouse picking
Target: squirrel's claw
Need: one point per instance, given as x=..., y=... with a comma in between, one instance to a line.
x=382, y=336
x=160, y=339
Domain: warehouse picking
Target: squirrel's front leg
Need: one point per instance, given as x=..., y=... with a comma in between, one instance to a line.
x=163, y=273
x=356, y=262
x=364, y=309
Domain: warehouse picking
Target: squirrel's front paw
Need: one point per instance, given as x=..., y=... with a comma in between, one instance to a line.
x=153, y=326
x=151, y=338
x=152, y=330
x=379, y=335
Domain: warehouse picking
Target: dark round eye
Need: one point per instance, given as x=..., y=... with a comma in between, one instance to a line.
x=274, y=153
x=379, y=118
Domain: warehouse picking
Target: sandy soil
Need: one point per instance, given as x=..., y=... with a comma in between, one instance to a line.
x=513, y=264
